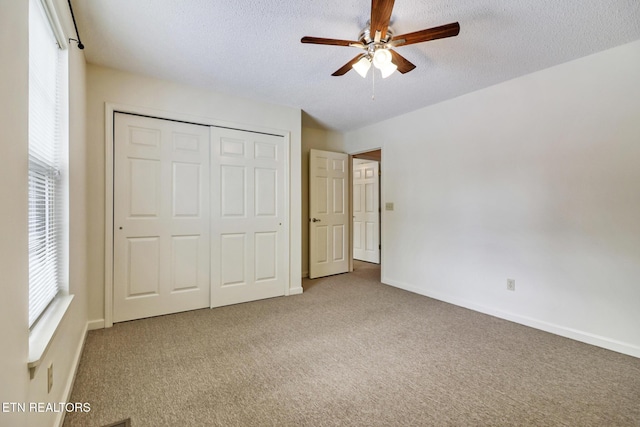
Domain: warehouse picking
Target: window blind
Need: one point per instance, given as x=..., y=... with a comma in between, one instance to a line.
x=45, y=115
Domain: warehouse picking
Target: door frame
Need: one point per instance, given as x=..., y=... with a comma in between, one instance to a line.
x=355, y=161
x=380, y=202
x=109, y=122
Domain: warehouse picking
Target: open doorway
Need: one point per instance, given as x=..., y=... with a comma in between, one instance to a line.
x=366, y=241
x=331, y=212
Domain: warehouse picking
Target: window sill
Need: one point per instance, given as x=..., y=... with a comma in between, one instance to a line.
x=42, y=333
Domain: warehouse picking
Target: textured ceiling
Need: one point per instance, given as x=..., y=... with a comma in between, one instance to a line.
x=251, y=48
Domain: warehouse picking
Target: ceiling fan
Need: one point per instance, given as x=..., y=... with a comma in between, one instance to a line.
x=377, y=41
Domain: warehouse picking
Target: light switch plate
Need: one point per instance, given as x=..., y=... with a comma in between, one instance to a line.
x=388, y=206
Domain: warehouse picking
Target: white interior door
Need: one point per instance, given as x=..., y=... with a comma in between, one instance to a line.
x=366, y=210
x=250, y=250
x=161, y=217
x=328, y=213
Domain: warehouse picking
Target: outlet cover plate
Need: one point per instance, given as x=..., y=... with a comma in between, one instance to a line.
x=49, y=378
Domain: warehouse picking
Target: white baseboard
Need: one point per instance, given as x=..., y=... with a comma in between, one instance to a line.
x=295, y=291
x=95, y=324
x=563, y=331
x=68, y=387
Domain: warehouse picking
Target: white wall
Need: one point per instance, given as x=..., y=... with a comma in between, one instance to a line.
x=108, y=85
x=317, y=139
x=14, y=275
x=536, y=179
x=15, y=385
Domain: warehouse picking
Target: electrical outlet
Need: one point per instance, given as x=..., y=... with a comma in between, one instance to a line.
x=388, y=206
x=50, y=378
x=511, y=284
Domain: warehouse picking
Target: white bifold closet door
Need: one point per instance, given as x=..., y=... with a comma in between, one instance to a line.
x=161, y=217
x=200, y=217
x=249, y=252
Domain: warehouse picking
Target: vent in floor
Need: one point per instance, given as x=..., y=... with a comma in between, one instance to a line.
x=123, y=423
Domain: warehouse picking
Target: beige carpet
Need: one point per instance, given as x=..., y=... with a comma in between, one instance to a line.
x=349, y=351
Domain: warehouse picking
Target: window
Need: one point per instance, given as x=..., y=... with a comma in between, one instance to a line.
x=47, y=132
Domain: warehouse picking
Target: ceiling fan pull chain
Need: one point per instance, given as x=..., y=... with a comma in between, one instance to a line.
x=373, y=85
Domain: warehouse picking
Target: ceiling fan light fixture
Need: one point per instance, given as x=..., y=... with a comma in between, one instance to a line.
x=362, y=66
x=388, y=69
x=381, y=58
x=378, y=49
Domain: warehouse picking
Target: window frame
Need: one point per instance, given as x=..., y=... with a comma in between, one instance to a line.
x=50, y=176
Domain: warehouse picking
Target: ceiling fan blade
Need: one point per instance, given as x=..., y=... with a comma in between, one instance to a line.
x=444, y=31
x=346, y=67
x=404, y=66
x=332, y=42
x=380, y=16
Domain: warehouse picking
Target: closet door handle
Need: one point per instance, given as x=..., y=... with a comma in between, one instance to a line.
x=315, y=220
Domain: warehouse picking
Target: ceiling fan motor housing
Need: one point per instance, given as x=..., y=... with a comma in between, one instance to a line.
x=370, y=43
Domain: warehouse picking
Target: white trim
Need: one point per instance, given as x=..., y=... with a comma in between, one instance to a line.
x=92, y=325
x=287, y=212
x=350, y=204
x=295, y=291
x=108, y=219
x=383, y=213
x=45, y=329
x=109, y=110
x=71, y=379
x=585, y=337
x=56, y=26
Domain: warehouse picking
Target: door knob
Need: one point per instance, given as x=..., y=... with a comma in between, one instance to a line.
x=315, y=220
